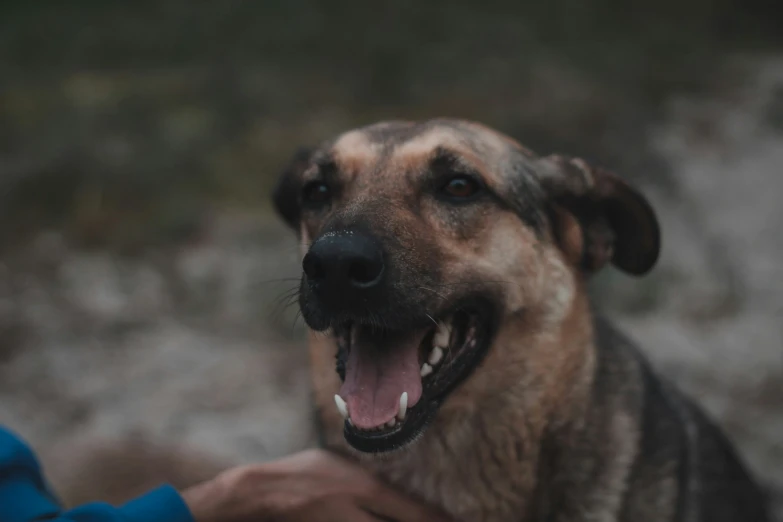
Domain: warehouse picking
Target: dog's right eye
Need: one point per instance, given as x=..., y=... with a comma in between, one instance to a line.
x=316, y=193
x=461, y=189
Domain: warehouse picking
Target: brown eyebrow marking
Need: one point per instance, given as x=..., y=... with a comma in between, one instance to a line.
x=322, y=166
x=444, y=160
x=321, y=157
x=354, y=151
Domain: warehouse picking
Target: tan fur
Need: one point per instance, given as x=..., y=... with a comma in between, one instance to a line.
x=562, y=420
x=488, y=131
x=540, y=361
x=480, y=458
x=353, y=151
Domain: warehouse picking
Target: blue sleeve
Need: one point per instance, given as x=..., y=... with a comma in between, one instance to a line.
x=25, y=497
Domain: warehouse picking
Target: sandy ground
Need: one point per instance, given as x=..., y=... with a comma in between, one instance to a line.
x=189, y=353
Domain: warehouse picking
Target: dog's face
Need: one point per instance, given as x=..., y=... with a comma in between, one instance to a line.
x=422, y=240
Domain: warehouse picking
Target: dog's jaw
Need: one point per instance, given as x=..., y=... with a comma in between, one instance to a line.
x=478, y=459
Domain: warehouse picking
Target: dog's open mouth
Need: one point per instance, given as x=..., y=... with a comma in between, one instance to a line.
x=393, y=382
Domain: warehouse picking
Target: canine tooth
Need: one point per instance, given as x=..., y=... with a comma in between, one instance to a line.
x=435, y=355
x=426, y=369
x=403, y=405
x=391, y=423
x=341, y=406
x=442, y=336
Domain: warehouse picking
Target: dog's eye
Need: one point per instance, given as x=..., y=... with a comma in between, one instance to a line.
x=316, y=193
x=461, y=187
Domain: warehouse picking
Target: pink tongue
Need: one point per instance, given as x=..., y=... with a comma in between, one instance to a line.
x=377, y=372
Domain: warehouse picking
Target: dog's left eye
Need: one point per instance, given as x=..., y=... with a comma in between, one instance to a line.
x=316, y=193
x=461, y=188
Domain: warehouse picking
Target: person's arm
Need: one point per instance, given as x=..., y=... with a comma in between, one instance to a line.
x=310, y=486
x=25, y=497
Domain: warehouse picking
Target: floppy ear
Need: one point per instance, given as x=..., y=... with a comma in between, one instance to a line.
x=285, y=196
x=616, y=222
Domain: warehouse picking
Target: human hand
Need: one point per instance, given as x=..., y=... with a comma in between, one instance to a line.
x=312, y=486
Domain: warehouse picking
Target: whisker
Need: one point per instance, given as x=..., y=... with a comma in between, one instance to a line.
x=296, y=318
x=280, y=280
x=285, y=295
x=438, y=294
x=475, y=282
x=283, y=302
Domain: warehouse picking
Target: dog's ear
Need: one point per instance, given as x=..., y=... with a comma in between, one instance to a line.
x=598, y=217
x=285, y=195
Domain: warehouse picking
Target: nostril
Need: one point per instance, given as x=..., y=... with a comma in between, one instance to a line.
x=365, y=272
x=312, y=266
x=343, y=262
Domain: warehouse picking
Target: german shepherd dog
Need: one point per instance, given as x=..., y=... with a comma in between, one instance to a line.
x=455, y=350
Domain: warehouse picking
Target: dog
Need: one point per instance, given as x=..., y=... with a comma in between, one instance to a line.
x=455, y=350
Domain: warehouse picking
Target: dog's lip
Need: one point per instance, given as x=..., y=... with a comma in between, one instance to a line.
x=467, y=345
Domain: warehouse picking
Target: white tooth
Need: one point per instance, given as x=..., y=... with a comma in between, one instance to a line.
x=403, y=405
x=391, y=423
x=426, y=369
x=436, y=355
x=341, y=406
x=442, y=336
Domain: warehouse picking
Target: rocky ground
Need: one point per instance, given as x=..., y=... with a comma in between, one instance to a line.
x=186, y=354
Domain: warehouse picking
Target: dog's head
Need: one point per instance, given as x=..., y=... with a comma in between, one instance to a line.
x=422, y=240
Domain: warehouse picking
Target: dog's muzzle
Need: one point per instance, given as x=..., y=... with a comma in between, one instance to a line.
x=344, y=269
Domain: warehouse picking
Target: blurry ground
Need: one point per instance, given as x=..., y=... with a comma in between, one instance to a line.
x=143, y=276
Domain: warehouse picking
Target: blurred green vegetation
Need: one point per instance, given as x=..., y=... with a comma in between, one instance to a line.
x=125, y=123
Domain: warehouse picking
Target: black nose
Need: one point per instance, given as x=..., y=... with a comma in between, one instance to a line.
x=346, y=261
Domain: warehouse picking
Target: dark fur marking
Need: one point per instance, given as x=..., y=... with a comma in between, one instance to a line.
x=526, y=197
x=724, y=490
x=285, y=195
x=628, y=447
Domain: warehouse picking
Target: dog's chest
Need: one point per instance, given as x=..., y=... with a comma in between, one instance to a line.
x=472, y=480
x=438, y=484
